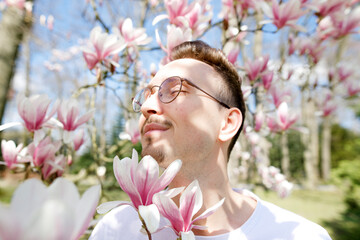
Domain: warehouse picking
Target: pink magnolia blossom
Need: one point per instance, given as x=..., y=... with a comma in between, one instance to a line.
x=54, y=166
x=285, y=117
x=44, y=151
x=199, y=17
x=195, y=16
x=132, y=36
x=273, y=179
x=101, y=46
x=267, y=78
x=78, y=139
x=255, y=68
x=12, y=154
x=325, y=28
x=132, y=132
x=272, y=124
x=343, y=73
x=285, y=14
x=140, y=180
x=233, y=8
x=33, y=110
x=182, y=217
x=232, y=48
x=352, y=87
x=346, y=22
x=326, y=102
x=58, y=207
x=259, y=120
x=175, y=36
x=311, y=47
x=279, y=94
x=21, y=4
x=328, y=7
x=246, y=91
x=68, y=114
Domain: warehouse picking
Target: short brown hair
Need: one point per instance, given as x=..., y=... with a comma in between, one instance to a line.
x=232, y=94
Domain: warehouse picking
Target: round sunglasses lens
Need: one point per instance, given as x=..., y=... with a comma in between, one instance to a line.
x=169, y=89
x=139, y=99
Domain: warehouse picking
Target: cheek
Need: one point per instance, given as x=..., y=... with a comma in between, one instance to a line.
x=141, y=122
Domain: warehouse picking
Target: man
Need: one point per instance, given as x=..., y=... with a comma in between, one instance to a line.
x=193, y=110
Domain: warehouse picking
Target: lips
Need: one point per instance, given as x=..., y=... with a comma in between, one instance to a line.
x=151, y=127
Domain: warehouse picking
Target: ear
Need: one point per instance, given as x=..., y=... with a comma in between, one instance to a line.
x=230, y=125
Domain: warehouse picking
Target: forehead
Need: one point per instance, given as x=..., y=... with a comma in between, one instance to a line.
x=191, y=69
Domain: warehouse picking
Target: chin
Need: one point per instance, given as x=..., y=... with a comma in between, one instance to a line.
x=157, y=154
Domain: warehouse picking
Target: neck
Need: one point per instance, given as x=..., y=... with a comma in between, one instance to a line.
x=214, y=184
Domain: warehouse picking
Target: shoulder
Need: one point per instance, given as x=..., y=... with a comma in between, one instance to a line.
x=289, y=224
x=278, y=223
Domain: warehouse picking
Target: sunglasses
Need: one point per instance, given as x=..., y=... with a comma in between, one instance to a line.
x=168, y=91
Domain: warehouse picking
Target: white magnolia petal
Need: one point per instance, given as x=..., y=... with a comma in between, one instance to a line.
x=210, y=210
x=170, y=172
x=124, y=136
x=85, y=210
x=107, y=206
x=9, y=125
x=55, y=220
x=172, y=192
x=187, y=235
x=151, y=216
x=159, y=18
x=64, y=190
x=27, y=198
x=147, y=173
x=38, y=136
x=192, y=189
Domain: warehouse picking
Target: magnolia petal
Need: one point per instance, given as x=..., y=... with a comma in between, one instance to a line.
x=210, y=210
x=172, y=192
x=86, y=117
x=107, y=206
x=38, y=136
x=169, y=210
x=54, y=220
x=124, y=136
x=27, y=197
x=85, y=210
x=124, y=170
x=68, y=136
x=147, y=173
x=64, y=190
x=151, y=216
x=165, y=179
x=159, y=18
x=9, y=125
x=169, y=173
x=191, y=201
x=187, y=235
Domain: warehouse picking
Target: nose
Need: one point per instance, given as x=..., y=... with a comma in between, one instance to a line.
x=152, y=105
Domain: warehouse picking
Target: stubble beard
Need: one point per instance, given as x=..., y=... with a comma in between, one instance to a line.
x=156, y=153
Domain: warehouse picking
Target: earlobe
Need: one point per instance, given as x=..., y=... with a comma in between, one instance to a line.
x=231, y=124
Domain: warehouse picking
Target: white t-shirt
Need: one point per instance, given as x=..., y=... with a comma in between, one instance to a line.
x=267, y=222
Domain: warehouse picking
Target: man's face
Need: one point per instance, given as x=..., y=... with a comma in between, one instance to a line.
x=188, y=127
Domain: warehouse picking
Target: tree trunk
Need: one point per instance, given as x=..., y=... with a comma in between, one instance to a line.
x=326, y=149
x=12, y=27
x=285, y=160
x=311, y=143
